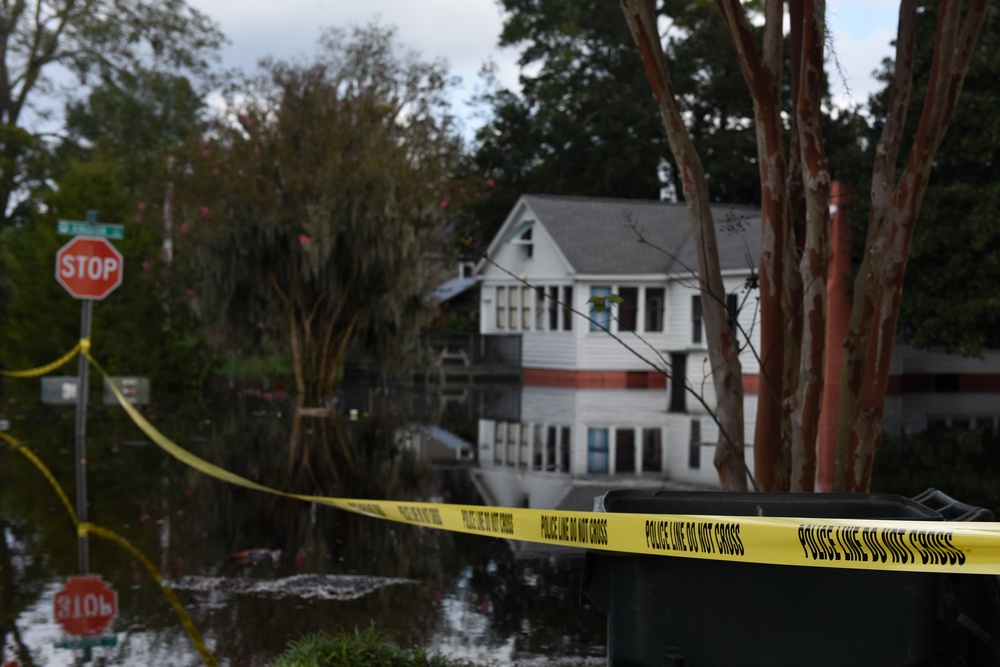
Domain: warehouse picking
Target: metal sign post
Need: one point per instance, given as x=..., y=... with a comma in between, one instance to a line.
x=90, y=268
x=80, y=447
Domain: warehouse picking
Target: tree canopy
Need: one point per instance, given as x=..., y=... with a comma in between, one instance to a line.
x=92, y=38
x=584, y=121
x=316, y=209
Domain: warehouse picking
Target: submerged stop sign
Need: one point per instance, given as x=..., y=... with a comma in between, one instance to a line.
x=86, y=605
x=89, y=267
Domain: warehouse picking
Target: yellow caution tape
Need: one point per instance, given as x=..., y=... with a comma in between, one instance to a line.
x=85, y=528
x=206, y=655
x=30, y=455
x=907, y=546
x=84, y=344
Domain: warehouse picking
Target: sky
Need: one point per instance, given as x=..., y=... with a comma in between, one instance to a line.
x=466, y=32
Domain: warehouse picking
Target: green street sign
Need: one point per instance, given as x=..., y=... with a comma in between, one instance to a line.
x=88, y=642
x=76, y=228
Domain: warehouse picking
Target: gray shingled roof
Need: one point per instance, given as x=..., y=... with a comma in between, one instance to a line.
x=595, y=234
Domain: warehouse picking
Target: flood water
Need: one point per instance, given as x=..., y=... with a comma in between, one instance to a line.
x=466, y=596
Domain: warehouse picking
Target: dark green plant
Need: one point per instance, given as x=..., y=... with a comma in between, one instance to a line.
x=357, y=648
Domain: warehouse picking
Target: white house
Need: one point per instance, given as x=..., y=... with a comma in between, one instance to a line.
x=554, y=253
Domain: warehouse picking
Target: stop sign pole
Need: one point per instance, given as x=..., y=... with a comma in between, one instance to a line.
x=90, y=268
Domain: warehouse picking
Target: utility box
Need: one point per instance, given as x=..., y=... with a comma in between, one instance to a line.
x=669, y=611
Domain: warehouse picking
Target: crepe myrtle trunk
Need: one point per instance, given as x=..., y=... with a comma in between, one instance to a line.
x=723, y=350
x=895, y=205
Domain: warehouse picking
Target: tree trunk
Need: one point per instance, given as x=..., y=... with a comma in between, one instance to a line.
x=814, y=258
x=895, y=206
x=723, y=350
x=772, y=458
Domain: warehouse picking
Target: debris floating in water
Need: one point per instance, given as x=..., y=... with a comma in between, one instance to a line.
x=307, y=586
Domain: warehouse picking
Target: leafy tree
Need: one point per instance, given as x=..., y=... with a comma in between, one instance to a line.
x=135, y=117
x=86, y=37
x=314, y=211
x=584, y=122
x=949, y=299
x=114, y=141
x=795, y=195
x=135, y=331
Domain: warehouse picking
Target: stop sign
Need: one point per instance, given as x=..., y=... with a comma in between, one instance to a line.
x=86, y=605
x=89, y=267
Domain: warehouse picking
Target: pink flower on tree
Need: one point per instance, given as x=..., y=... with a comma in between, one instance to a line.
x=185, y=228
x=304, y=240
x=204, y=210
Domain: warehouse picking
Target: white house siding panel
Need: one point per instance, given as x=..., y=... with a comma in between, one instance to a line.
x=678, y=323
x=599, y=351
x=915, y=413
x=910, y=360
x=549, y=349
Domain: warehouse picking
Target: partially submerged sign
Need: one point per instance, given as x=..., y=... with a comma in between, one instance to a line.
x=135, y=389
x=59, y=390
x=62, y=390
x=86, y=605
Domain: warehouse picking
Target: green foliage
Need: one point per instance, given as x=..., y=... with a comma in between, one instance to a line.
x=101, y=37
x=586, y=123
x=950, y=297
x=134, y=331
x=962, y=463
x=135, y=117
x=367, y=648
x=315, y=211
x=602, y=303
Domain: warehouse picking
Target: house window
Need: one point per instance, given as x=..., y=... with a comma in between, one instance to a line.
x=696, y=319
x=600, y=320
x=521, y=236
x=597, y=450
x=628, y=309
x=526, y=307
x=565, y=448
x=499, y=434
x=512, y=433
x=654, y=309
x=524, y=455
x=501, y=307
x=552, y=305
x=513, y=310
x=567, y=309
x=694, y=449
x=732, y=310
x=525, y=241
x=538, y=449
x=540, y=305
x=625, y=450
x=678, y=382
x=652, y=450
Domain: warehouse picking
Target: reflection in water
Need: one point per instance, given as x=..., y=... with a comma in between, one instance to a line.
x=191, y=526
x=470, y=596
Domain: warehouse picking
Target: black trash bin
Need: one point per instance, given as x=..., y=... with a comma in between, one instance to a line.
x=972, y=602
x=669, y=611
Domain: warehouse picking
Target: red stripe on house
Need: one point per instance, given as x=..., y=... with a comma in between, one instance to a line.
x=550, y=377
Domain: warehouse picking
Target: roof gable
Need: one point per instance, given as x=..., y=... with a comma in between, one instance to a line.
x=602, y=236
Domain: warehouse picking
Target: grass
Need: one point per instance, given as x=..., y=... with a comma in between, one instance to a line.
x=367, y=648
